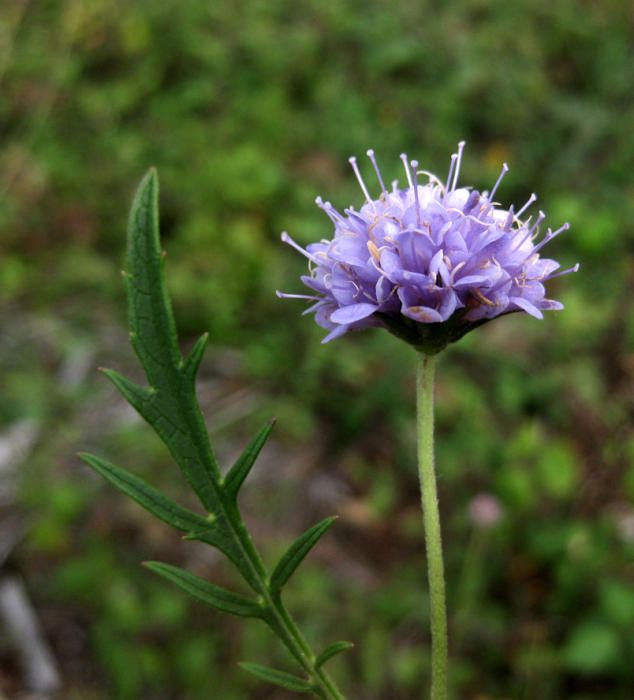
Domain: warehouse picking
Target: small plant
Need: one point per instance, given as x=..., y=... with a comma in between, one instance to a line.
x=169, y=404
x=429, y=263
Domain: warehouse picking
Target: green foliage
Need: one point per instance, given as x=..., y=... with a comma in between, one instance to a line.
x=332, y=650
x=170, y=406
x=295, y=554
x=280, y=678
x=214, y=596
x=145, y=495
x=240, y=470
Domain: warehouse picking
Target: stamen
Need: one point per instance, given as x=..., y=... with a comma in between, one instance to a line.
x=329, y=210
x=549, y=237
x=480, y=297
x=283, y=295
x=509, y=219
x=461, y=146
x=287, y=239
x=313, y=307
x=333, y=211
x=370, y=154
x=505, y=169
x=531, y=199
x=431, y=176
x=452, y=165
x=403, y=158
x=540, y=217
x=457, y=269
x=374, y=251
x=414, y=165
x=574, y=268
x=353, y=162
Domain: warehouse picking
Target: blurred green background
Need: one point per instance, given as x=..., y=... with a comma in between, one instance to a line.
x=249, y=109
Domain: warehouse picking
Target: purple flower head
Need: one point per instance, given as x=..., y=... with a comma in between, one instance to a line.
x=429, y=262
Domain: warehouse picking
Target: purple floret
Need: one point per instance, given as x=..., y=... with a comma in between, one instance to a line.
x=429, y=262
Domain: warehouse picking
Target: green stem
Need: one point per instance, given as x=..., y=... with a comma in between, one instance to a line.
x=285, y=626
x=431, y=518
x=326, y=686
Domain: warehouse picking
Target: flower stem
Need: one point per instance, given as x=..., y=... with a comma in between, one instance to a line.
x=431, y=519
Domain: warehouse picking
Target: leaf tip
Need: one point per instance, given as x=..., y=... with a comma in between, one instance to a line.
x=151, y=176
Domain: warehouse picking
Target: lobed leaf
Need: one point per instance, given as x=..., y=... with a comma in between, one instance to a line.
x=280, y=678
x=238, y=473
x=215, y=596
x=169, y=404
x=147, y=496
x=296, y=554
x=332, y=650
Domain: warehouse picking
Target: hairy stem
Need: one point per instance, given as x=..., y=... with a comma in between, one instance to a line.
x=431, y=518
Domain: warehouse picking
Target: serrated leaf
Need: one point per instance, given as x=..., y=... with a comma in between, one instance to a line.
x=192, y=362
x=153, y=331
x=240, y=470
x=296, y=554
x=147, y=496
x=173, y=411
x=215, y=596
x=280, y=678
x=332, y=650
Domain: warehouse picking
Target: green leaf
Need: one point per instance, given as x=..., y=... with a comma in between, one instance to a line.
x=153, y=331
x=240, y=470
x=192, y=362
x=197, y=527
x=169, y=405
x=147, y=496
x=331, y=651
x=296, y=553
x=280, y=678
x=137, y=396
x=215, y=596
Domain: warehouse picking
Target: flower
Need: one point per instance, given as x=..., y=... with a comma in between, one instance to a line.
x=485, y=510
x=429, y=262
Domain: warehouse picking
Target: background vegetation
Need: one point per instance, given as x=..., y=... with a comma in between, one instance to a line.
x=249, y=109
